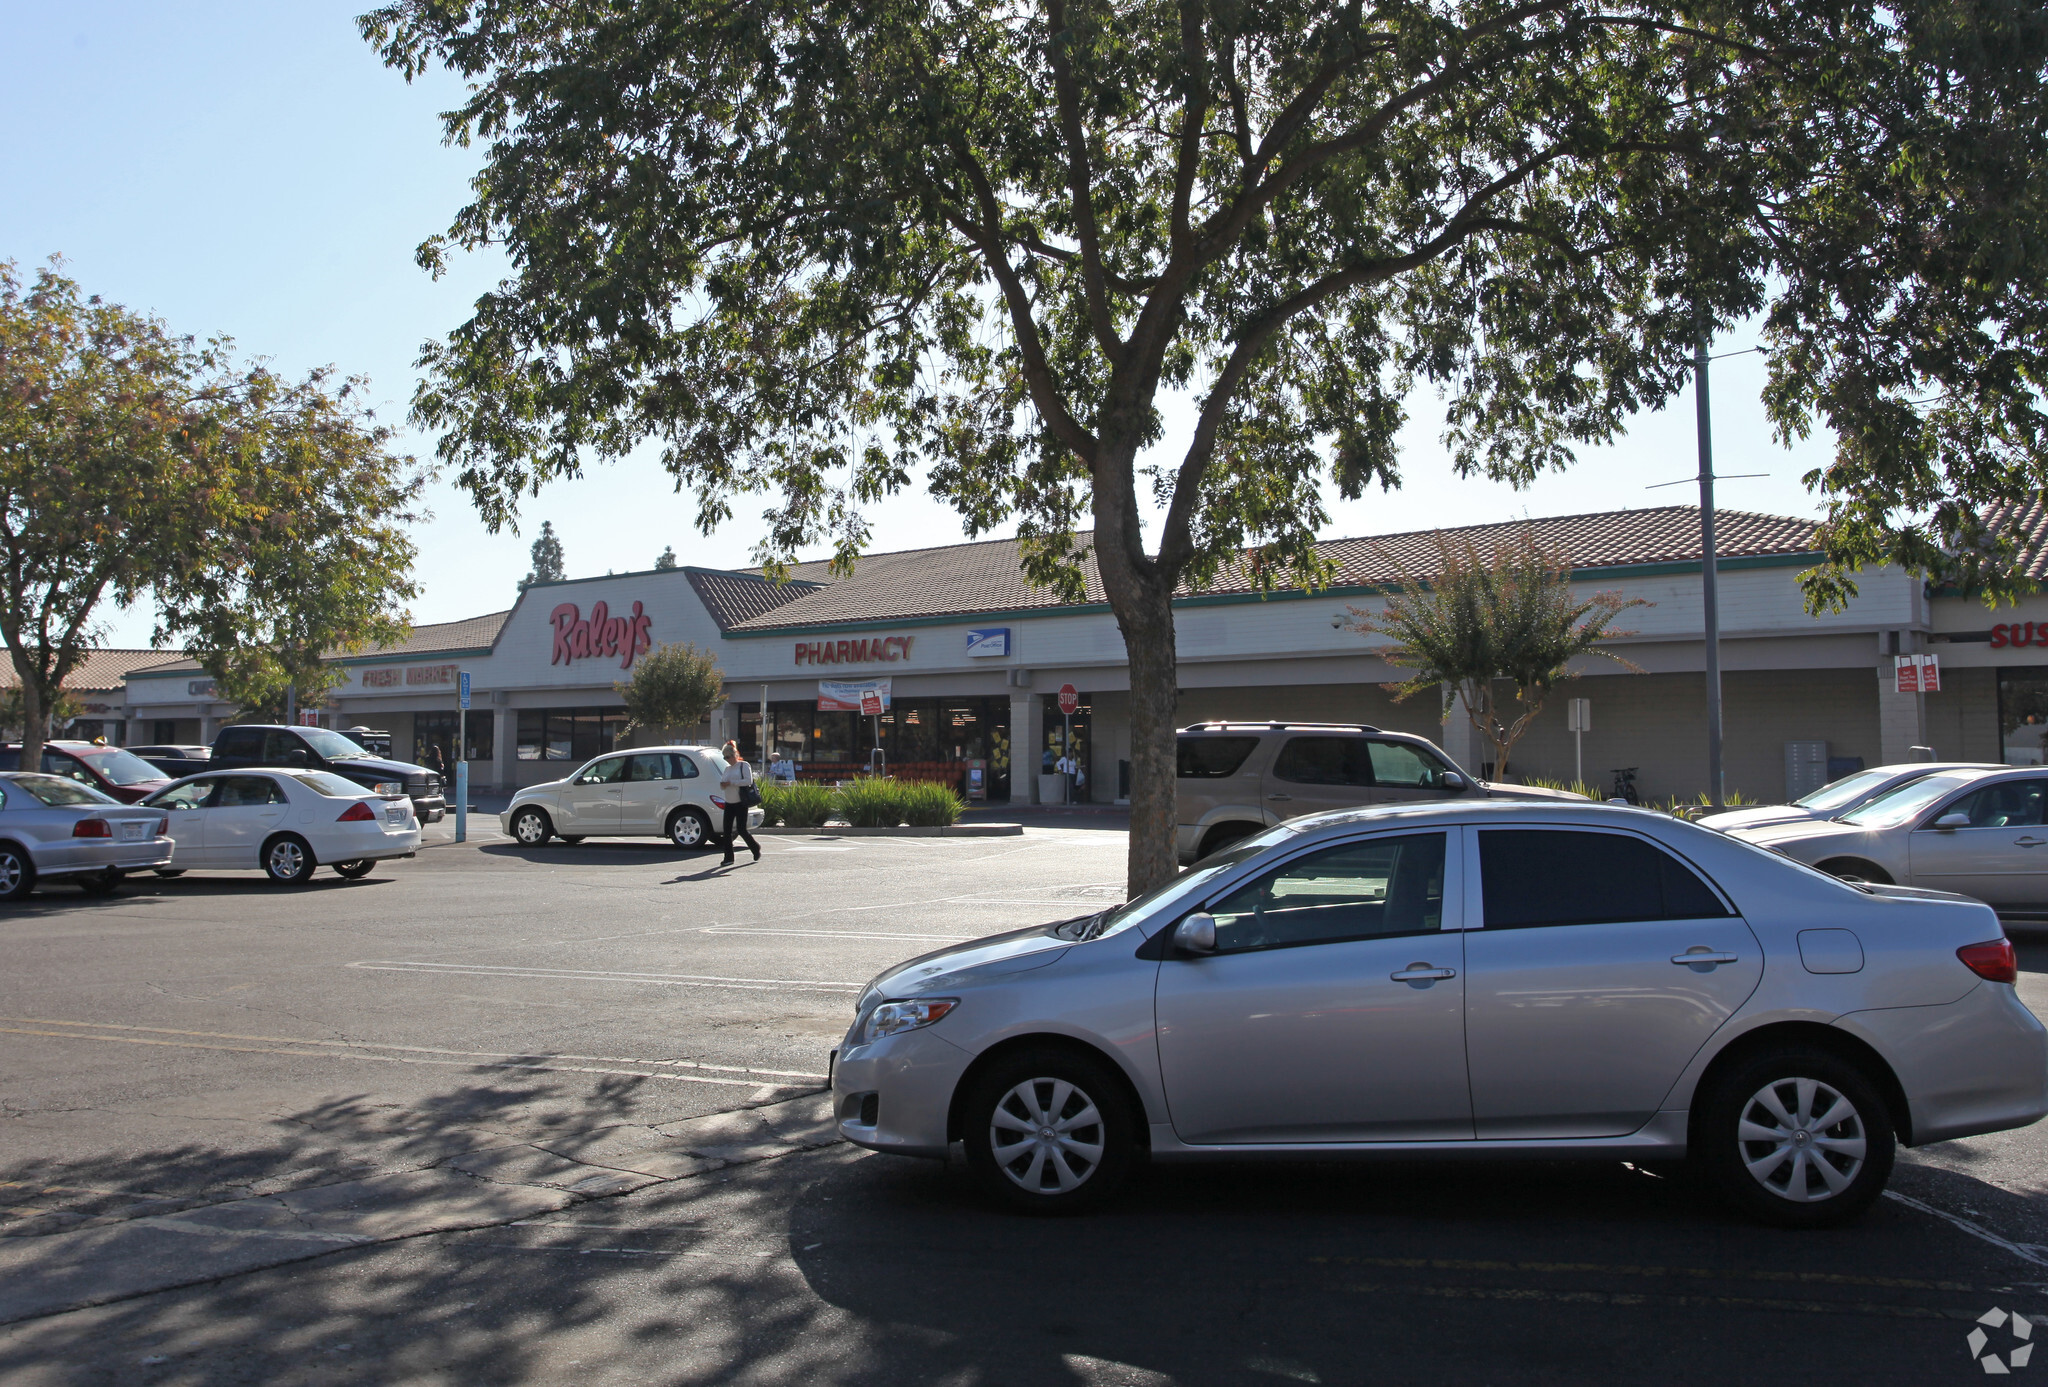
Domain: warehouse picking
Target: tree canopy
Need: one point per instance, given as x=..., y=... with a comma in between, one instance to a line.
x=814, y=251
x=547, y=557
x=673, y=687
x=263, y=517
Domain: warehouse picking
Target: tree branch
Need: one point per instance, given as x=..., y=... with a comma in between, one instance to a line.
x=1194, y=55
x=1081, y=183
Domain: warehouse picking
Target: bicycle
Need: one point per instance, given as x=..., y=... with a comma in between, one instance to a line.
x=1625, y=786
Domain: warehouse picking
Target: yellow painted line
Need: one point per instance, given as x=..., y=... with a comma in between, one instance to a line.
x=1822, y=1278
x=398, y=1059
x=366, y=1045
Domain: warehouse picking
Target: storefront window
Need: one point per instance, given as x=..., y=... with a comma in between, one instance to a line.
x=938, y=738
x=568, y=734
x=440, y=730
x=1066, y=736
x=2023, y=715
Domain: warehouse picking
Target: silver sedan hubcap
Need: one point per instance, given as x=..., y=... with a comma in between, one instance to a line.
x=1801, y=1139
x=1047, y=1136
x=529, y=828
x=286, y=859
x=10, y=871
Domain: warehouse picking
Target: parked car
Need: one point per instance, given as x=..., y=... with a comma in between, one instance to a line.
x=54, y=828
x=1978, y=833
x=117, y=773
x=176, y=752
x=1838, y=797
x=670, y=791
x=1525, y=980
x=1236, y=778
x=253, y=745
x=285, y=823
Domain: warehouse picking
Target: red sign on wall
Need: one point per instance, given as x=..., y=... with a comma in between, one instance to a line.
x=1918, y=673
x=627, y=637
x=2019, y=633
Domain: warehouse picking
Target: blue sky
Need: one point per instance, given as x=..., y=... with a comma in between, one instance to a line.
x=250, y=168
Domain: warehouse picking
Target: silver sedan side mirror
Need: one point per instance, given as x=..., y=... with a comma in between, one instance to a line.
x=1196, y=934
x=1454, y=781
x=1953, y=821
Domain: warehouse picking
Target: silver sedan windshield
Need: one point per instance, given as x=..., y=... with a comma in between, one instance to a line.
x=1902, y=804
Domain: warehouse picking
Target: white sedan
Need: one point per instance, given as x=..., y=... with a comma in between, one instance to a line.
x=285, y=823
x=671, y=791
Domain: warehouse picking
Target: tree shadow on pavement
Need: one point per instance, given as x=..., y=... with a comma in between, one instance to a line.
x=839, y=1267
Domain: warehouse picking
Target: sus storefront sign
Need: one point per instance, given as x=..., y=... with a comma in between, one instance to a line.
x=627, y=637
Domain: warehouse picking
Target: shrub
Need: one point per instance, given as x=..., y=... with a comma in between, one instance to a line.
x=872, y=802
x=929, y=804
x=798, y=806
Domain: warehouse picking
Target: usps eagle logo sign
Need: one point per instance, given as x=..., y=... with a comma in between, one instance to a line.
x=994, y=641
x=2011, y=1348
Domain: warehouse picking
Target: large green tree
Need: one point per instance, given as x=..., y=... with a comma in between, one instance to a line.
x=264, y=518
x=812, y=250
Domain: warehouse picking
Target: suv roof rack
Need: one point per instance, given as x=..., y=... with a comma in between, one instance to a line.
x=1246, y=725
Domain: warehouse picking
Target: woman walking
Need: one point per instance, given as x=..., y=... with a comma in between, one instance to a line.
x=736, y=788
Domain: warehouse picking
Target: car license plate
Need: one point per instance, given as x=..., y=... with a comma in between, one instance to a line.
x=134, y=830
x=395, y=814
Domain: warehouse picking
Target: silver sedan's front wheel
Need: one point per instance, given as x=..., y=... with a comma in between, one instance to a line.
x=288, y=861
x=1046, y=1135
x=1051, y=1131
x=1796, y=1136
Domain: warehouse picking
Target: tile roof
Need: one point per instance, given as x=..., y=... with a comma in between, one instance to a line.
x=733, y=597
x=100, y=670
x=470, y=633
x=2028, y=524
x=962, y=579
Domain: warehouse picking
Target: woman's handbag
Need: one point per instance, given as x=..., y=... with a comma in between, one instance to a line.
x=750, y=793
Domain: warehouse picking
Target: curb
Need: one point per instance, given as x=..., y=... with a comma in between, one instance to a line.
x=927, y=831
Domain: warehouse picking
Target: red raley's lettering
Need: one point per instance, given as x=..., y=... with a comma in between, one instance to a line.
x=628, y=637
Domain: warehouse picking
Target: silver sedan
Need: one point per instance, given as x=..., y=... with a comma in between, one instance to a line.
x=1979, y=833
x=1839, y=797
x=53, y=828
x=1518, y=980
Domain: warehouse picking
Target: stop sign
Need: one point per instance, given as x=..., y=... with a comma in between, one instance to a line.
x=1070, y=699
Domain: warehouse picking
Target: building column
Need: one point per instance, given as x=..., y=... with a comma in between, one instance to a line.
x=209, y=727
x=505, y=745
x=1901, y=718
x=1460, y=739
x=1027, y=742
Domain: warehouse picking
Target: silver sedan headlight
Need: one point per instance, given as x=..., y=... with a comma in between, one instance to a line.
x=894, y=1018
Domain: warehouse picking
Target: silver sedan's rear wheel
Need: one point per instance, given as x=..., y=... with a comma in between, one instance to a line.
x=1050, y=1131
x=17, y=873
x=1798, y=1137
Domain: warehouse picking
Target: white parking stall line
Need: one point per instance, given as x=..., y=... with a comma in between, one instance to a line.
x=690, y=1071
x=488, y=970
x=2024, y=1251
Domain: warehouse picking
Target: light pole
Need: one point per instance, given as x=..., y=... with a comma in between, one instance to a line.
x=1710, y=596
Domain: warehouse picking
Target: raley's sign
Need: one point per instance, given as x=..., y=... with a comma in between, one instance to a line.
x=603, y=634
x=886, y=649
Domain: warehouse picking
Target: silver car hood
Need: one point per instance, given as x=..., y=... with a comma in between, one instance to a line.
x=1015, y=952
x=1800, y=831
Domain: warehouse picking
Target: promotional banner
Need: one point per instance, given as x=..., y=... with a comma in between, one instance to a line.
x=844, y=695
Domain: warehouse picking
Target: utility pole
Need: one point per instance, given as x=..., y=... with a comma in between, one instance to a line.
x=1710, y=597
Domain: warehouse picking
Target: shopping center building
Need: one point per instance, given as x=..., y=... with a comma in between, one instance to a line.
x=968, y=659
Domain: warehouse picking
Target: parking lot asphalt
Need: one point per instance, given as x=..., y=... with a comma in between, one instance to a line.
x=197, y=1047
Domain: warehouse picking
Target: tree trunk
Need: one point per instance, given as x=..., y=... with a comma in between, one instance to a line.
x=32, y=706
x=1142, y=599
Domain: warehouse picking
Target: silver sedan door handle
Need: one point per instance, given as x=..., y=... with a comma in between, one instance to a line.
x=1279, y=796
x=1422, y=972
x=1700, y=955
x=2029, y=842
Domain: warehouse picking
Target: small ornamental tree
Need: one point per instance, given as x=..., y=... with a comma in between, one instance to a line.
x=673, y=686
x=1476, y=623
x=667, y=559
